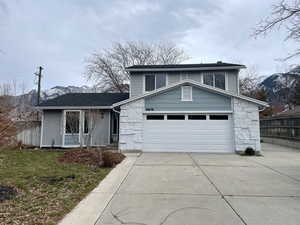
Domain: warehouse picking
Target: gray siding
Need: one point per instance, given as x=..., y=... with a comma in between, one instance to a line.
x=195, y=76
x=101, y=131
x=233, y=81
x=52, y=128
x=173, y=78
x=136, y=85
x=136, y=80
x=202, y=101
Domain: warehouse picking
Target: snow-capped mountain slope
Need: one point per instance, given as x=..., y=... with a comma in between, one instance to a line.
x=60, y=90
x=279, y=86
x=30, y=98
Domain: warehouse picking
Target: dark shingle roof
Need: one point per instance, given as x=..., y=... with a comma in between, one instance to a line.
x=85, y=100
x=182, y=66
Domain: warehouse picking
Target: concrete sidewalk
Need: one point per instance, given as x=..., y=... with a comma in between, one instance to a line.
x=206, y=189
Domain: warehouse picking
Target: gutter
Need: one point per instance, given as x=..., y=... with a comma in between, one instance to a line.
x=116, y=111
x=73, y=107
x=186, y=69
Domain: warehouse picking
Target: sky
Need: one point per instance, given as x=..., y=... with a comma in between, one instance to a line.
x=61, y=35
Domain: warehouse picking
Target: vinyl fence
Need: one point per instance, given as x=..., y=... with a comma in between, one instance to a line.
x=29, y=133
x=286, y=128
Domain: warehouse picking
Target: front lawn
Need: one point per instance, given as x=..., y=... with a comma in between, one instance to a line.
x=46, y=188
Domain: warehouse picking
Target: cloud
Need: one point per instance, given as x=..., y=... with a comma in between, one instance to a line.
x=59, y=35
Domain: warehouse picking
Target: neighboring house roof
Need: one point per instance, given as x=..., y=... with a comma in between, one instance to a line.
x=295, y=112
x=192, y=82
x=180, y=67
x=84, y=100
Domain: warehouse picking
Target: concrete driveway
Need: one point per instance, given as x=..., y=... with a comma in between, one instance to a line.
x=206, y=189
x=209, y=189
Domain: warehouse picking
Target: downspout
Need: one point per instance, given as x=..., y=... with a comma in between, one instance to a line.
x=115, y=110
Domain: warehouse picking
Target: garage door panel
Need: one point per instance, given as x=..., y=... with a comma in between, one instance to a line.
x=201, y=136
x=184, y=148
x=188, y=135
x=195, y=132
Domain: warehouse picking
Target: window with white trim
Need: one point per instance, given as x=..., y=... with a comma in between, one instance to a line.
x=186, y=93
x=155, y=81
x=215, y=80
x=72, y=122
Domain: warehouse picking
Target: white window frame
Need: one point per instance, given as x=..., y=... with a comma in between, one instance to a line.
x=65, y=120
x=191, y=94
x=214, y=83
x=144, y=81
x=64, y=128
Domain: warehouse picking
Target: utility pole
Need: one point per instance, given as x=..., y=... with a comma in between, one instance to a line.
x=39, y=75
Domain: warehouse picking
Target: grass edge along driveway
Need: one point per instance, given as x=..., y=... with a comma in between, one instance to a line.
x=47, y=189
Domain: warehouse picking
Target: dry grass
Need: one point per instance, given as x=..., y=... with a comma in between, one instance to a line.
x=47, y=189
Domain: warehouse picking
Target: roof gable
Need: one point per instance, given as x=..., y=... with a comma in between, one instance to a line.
x=202, y=100
x=194, y=83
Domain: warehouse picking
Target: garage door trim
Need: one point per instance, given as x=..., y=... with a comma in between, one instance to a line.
x=200, y=135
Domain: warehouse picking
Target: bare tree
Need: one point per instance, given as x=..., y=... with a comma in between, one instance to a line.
x=249, y=82
x=285, y=14
x=107, y=67
x=7, y=124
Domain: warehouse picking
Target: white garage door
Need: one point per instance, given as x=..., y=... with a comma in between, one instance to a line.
x=188, y=133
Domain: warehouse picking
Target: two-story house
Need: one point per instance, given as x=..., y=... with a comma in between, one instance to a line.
x=170, y=108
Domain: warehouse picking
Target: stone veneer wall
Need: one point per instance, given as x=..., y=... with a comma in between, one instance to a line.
x=131, y=126
x=246, y=125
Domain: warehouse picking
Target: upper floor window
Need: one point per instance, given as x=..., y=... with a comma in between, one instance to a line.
x=215, y=80
x=156, y=81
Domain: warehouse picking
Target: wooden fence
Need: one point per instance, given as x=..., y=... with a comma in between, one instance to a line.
x=29, y=133
x=284, y=127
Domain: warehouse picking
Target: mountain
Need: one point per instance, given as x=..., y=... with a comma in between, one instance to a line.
x=30, y=98
x=281, y=86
